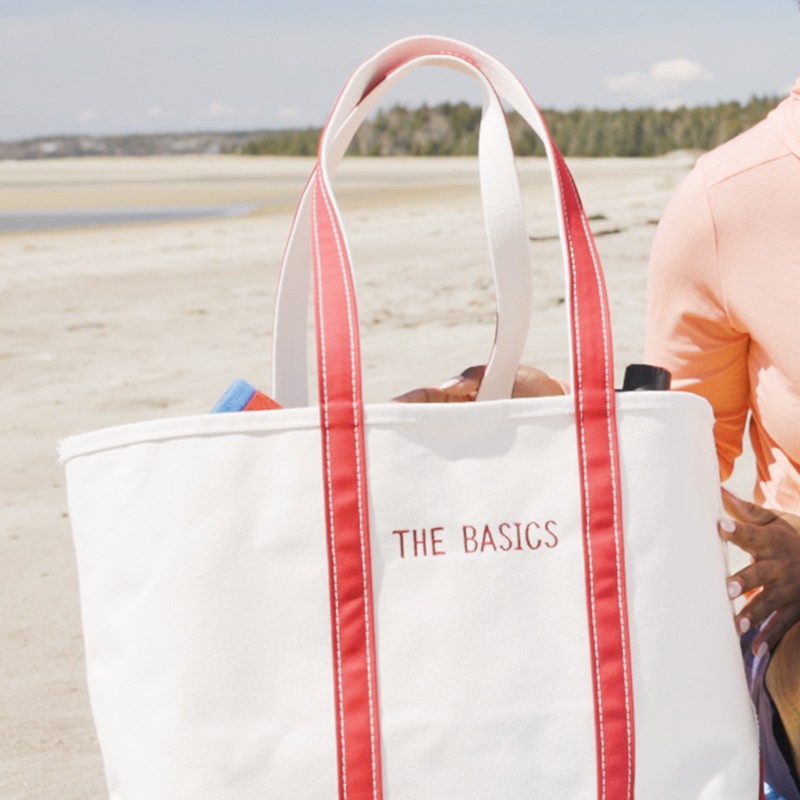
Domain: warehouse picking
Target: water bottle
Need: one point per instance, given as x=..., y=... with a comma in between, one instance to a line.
x=645, y=377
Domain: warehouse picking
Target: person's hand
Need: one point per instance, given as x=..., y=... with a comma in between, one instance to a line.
x=773, y=540
x=529, y=382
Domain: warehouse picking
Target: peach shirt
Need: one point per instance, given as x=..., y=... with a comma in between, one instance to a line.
x=724, y=297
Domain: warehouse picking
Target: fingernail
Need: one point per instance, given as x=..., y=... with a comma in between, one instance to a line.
x=734, y=589
x=744, y=625
x=451, y=383
x=727, y=525
x=762, y=650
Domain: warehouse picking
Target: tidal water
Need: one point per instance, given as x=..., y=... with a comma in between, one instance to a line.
x=15, y=221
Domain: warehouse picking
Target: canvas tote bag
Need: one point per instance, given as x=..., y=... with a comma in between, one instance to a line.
x=501, y=599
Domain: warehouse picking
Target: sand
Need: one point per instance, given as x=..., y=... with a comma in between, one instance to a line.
x=109, y=325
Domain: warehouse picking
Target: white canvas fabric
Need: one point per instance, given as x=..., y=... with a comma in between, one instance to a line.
x=214, y=578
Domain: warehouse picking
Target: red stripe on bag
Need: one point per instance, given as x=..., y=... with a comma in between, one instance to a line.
x=345, y=485
x=348, y=542
x=598, y=454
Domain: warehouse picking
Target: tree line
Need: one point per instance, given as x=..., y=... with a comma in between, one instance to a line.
x=451, y=129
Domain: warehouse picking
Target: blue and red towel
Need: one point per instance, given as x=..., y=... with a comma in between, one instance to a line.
x=241, y=396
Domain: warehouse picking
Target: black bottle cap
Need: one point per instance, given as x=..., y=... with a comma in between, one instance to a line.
x=644, y=377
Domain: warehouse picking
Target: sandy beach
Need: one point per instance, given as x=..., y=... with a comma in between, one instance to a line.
x=112, y=324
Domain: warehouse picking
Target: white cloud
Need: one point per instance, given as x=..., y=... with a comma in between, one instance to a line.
x=217, y=109
x=638, y=83
x=153, y=111
x=89, y=115
x=679, y=70
x=662, y=79
x=288, y=112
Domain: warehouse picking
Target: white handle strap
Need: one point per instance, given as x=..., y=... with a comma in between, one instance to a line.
x=505, y=226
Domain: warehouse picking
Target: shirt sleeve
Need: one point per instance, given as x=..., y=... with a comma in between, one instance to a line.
x=688, y=330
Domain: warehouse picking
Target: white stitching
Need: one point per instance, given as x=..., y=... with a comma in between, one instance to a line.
x=323, y=365
x=618, y=544
x=578, y=399
x=359, y=488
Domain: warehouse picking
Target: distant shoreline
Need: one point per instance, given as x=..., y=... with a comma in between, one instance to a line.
x=446, y=129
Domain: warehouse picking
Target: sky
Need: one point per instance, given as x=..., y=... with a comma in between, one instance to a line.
x=119, y=66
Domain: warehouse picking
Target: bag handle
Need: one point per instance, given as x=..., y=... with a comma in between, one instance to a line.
x=506, y=233
x=343, y=451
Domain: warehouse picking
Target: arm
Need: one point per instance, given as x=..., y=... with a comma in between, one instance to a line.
x=689, y=330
